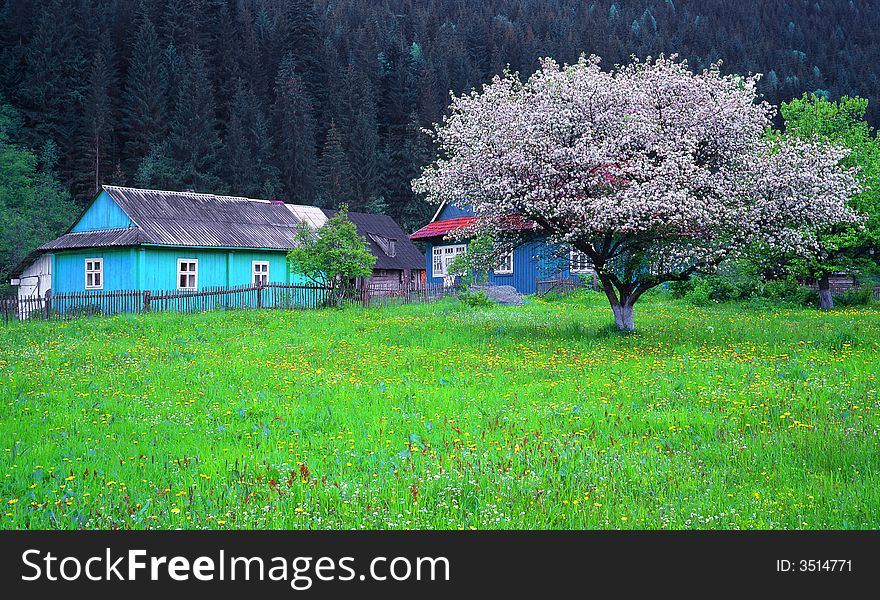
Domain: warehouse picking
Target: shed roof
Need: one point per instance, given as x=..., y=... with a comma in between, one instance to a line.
x=370, y=226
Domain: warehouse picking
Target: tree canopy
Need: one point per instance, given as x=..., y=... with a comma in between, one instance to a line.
x=654, y=171
x=841, y=247
x=332, y=256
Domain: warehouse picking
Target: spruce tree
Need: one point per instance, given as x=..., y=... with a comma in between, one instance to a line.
x=144, y=120
x=249, y=147
x=336, y=179
x=194, y=141
x=295, y=135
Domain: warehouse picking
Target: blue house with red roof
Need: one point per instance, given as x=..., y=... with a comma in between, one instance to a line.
x=521, y=268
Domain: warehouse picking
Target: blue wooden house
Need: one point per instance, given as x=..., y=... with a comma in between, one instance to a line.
x=522, y=268
x=132, y=239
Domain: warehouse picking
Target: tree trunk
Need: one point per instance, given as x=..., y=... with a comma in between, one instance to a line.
x=623, y=316
x=621, y=306
x=826, y=302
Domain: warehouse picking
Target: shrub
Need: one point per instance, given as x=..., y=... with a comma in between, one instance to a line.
x=477, y=299
x=742, y=283
x=857, y=296
x=789, y=292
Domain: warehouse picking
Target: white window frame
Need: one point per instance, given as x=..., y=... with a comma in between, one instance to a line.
x=260, y=268
x=575, y=257
x=194, y=272
x=445, y=254
x=504, y=268
x=97, y=265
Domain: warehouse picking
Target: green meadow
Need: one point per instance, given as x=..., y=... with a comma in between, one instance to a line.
x=441, y=416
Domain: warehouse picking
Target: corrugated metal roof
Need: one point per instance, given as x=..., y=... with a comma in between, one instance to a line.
x=312, y=215
x=406, y=255
x=440, y=228
x=128, y=236
x=191, y=219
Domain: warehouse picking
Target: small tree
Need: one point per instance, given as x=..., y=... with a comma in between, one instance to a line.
x=473, y=265
x=653, y=171
x=332, y=256
x=844, y=246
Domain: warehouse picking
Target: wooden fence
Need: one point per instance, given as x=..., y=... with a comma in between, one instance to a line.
x=560, y=285
x=273, y=295
x=838, y=288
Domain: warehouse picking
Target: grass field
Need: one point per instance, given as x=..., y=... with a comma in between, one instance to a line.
x=440, y=416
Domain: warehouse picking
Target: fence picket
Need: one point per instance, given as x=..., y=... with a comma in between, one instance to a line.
x=280, y=296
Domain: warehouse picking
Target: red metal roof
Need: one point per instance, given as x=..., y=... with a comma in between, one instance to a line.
x=441, y=228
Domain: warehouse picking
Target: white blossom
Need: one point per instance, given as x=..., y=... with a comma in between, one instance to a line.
x=652, y=170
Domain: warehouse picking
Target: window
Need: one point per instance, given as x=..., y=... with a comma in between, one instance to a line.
x=579, y=262
x=388, y=245
x=505, y=267
x=187, y=274
x=94, y=273
x=261, y=272
x=443, y=255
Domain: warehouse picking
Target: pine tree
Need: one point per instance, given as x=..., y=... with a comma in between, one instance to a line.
x=144, y=122
x=249, y=147
x=97, y=135
x=53, y=81
x=295, y=135
x=396, y=100
x=302, y=49
x=363, y=146
x=417, y=153
x=336, y=180
x=194, y=141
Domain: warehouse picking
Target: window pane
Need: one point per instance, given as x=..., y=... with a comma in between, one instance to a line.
x=192, y=281
x=97, y=279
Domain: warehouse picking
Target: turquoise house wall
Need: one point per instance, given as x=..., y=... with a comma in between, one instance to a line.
x=155, y=268
x=216, y=268
x=103, y=213
x=69, y=269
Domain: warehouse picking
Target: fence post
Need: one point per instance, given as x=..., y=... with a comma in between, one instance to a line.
x=259, y=296
x=147, y=301
x=48, y=303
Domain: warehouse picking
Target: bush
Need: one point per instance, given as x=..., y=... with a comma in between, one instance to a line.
x=743, y=286
x=737, y=284
x=789, y=292
x=477, y=299
x=857, y=296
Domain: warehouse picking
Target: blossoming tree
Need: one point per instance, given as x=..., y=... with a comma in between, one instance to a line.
x=653, y=171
